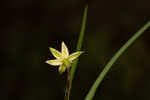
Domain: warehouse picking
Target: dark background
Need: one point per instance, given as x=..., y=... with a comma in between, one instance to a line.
x=29, y=27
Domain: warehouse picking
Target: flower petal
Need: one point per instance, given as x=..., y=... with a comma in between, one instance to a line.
x=54, y=62
x=64, y=50
x=56, y=53
x=75, y=55
x=61, y=69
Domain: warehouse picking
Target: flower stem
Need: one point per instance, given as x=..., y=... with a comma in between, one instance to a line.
x=67, y=91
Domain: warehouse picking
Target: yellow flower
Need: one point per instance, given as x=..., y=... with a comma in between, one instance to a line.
x=63, y=59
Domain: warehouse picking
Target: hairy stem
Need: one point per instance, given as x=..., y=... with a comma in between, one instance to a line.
x=67, y=92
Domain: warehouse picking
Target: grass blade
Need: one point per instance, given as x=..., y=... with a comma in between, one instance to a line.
x=101, y=76
x=79, y=45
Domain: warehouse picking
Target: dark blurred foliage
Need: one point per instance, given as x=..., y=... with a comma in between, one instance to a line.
x=29, y=27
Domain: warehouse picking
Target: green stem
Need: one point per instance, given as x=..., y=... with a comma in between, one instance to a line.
x=101, y=76
x=79, y=45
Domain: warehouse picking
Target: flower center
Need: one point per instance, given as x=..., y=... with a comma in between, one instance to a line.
x=66, y=62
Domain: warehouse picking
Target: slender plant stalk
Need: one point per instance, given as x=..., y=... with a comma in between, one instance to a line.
x=79, y=45
x=101, y=76
x=67, y=92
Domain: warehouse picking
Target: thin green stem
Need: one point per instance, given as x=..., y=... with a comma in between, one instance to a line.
x=79, y=45
x=101, y=76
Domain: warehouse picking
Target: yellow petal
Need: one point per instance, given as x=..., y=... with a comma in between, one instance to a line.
x=75, y=55
x=64, y=50
x=54, y=62
x=56, y=53
x=62, y=69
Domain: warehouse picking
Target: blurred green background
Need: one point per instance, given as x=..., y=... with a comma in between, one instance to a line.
x=29, y=27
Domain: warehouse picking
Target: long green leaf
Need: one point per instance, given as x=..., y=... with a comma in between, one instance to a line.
x=79, y=45
x=101, y=76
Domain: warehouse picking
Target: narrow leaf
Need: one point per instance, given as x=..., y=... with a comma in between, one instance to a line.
x=108, y=66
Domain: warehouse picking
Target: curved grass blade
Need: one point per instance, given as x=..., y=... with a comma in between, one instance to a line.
x=101, y=76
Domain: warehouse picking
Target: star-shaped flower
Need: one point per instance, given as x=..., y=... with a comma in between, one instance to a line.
x=63, y=59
